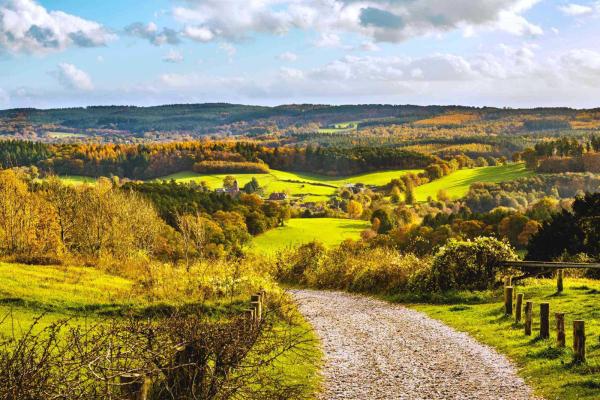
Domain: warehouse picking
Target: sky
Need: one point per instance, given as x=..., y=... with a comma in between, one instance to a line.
x=513, y=53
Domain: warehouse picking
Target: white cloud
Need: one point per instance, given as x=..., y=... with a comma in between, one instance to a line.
x=71, y=77
x=291, y=73
x=582, y=65
x=150, y=32
x=173, y=56
x=377, y=20
x=288, y=56
x=27, y=27
x=328, y=39
x=369, y=46
x=576, y=10
x=198, y=33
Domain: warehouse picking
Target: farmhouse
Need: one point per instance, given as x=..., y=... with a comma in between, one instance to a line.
x=277, y=196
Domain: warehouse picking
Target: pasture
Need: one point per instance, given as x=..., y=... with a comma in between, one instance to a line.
x=545, y=366
x=457, y=184
x=313, y=186
x=329, y=231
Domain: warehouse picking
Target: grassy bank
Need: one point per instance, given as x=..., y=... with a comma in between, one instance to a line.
x=457, y=184
x=329, y=231
x=88, y=296
x=545, y=367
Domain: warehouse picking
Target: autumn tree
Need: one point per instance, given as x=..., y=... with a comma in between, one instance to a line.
x=355, y=209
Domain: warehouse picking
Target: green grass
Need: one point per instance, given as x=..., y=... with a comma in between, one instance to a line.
x=329, y=231
x=85, y=295
x=545, y=367
x=28, y=291
x=65, y=135
x=457, y=184
x=313, y=186
x=77, y=180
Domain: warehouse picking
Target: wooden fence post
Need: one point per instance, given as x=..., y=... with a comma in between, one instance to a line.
x=508, y=300
x=559, y=281
x=135, y=386
x=528, y=317
x=579, y=341
x=518, y=307
x=560, y=329
x=257, y=305
x=545, y=320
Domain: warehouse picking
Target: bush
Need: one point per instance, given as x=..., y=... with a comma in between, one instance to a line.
x=351, y=267
x=470, y=265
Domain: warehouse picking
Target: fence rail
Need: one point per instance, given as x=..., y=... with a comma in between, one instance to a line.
x=548, y=265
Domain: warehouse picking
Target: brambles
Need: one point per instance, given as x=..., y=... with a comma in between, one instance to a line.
x=176, y=356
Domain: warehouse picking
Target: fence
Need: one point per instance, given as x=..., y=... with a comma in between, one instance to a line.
x=544, y=333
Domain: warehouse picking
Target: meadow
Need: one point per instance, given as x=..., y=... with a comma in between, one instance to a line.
x=547, y=368
x=329, y=231
x=457, y=183
x=35, y=297
x=312, y=187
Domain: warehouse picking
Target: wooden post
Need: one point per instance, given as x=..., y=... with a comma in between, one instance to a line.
x=257, y=310
x=518, y=307
x=528, y=317
x=508, y=300
x=135, y=386
x=560, y=329
x=559, y=281
x=545, y=320
x=579, y=341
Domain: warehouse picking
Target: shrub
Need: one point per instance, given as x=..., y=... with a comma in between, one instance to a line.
x=352, y=267
x=470, y=265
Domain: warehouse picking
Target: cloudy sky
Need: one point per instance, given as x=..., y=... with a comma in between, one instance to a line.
x=56, y=53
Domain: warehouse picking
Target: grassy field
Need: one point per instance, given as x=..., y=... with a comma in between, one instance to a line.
x=457, y=184
x=315, y=187
x=65, y=135
x=546, y=368
x=87, y=295
x=329, y=231
x=76, y=179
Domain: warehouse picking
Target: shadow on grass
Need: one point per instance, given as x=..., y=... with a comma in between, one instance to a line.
x=548, y=353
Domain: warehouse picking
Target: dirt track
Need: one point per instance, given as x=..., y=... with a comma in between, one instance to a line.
x=378, y=350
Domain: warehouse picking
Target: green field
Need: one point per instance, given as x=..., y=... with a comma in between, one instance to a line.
x=77, y=179
x=457, y=184
x=315, y=187
x=86, y=296
x=329, y=231
x=545, y=367
x=65, y=135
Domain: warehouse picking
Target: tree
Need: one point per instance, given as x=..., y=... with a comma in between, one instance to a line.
x=442, y=195
x=355, y=209
x=385, y=220
x=229, y=182
x=395, y=195
x=409, y=196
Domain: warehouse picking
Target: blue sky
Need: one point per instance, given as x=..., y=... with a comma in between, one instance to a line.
x=56, y=53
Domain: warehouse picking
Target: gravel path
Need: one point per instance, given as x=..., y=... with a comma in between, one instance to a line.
x=378, y=350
